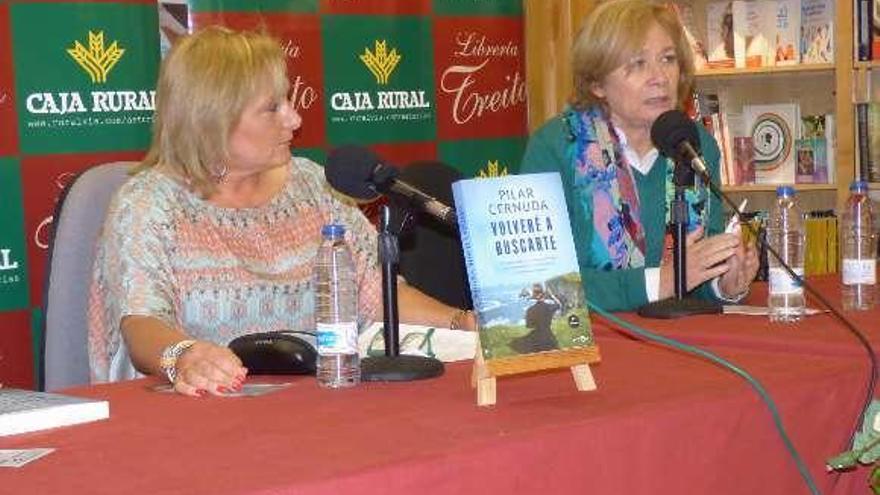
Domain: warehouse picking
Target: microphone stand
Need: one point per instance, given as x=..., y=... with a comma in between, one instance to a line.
x=393, y=366
x=680, y=305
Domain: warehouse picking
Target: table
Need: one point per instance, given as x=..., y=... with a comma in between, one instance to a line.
x=660, y=422
x=818, y=335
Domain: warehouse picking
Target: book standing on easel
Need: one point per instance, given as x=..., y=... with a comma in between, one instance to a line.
x=524, y=276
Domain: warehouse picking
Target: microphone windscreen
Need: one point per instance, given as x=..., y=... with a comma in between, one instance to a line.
x=350, y=169
x=672, y=128
x=432, y=177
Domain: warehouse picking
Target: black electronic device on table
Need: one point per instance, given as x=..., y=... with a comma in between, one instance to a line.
x=276, y=353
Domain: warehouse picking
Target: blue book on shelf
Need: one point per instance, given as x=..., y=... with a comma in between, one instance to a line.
x=521, y=264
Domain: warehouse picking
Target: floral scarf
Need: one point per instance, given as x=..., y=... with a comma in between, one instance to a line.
x=604, y=184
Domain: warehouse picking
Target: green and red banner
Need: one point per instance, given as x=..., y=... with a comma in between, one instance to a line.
x=412, y=79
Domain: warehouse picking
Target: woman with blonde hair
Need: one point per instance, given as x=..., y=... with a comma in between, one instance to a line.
x=631, y=63
x=214, y=234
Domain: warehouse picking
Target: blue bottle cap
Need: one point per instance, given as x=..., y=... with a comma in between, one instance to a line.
x=333, y=231
x=859, y=186
x=784, y=191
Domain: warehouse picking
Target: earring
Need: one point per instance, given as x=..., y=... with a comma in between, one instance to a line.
x=220, y=175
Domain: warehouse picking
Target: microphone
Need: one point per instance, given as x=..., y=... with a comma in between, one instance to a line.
x=358, y=172
x=676, y=136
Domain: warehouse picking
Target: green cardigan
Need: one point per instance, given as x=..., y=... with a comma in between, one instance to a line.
x=617, y=290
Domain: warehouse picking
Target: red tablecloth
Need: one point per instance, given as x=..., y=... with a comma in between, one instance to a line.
x=820, y=334
x=659, y=423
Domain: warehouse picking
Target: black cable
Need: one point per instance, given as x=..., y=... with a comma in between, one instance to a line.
x=872, y=356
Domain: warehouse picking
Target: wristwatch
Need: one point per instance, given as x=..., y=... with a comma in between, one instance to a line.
x=168, y=361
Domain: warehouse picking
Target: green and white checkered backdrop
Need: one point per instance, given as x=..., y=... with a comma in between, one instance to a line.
x=412, y=79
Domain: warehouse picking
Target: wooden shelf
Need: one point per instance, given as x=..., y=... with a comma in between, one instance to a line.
x=772, y=187
x=871, y=64
x=766, y=71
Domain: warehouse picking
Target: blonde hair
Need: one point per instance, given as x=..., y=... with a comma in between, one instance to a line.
x=205, y=82
x=612, y=34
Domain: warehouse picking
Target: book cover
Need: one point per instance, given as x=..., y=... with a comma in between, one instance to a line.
x=812, y=165
x=695, y=37
x=741, y=31
x=786, y=38
x=760, y=33
x=817, y=31
x=719, y=34
x=23, y=411
x=772, y=128
x=744, y=161
x=813, y=126
x=521, y=264
x=831, y=146
x=732, y=127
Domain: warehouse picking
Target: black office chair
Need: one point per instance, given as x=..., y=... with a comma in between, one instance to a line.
x=431, y=259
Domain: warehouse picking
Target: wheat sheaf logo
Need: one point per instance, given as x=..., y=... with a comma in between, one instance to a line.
x=493, y=169
x=380, y=61
x=97, y=60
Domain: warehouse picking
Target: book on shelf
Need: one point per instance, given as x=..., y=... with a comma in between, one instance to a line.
x=521, y=264
x=744, y=161
x=723, y=127
x=23, y=411
x=864, y=29
x=815, y=148
x=696, y=38
x=732, y=127
x=719, y=35
x=760, y=30
x=873, y=142
x=740, y=11
x=787, y=33
x=862, y=141
x=868, y=141
x=812, y=163
x=831, y=146
x=820, y=249
x=773, y=129
x=817, y=31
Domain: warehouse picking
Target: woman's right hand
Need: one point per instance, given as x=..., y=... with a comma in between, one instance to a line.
x=207, y=368
x=705, y=260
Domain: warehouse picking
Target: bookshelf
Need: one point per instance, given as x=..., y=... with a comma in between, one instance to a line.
x=786, y=70
x=818, y=88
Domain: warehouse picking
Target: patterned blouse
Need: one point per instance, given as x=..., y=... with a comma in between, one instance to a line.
x=217, y=273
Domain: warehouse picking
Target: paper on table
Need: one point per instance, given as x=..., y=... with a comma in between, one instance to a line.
x=247, y=390
x=19, y=457
x=445, y=344
x=742, y=309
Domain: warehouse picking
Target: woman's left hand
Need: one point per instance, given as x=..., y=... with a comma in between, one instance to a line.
x=742, y=268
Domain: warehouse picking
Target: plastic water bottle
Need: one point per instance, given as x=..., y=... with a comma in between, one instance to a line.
x=859, y=250
x=785, y=234
x=336, y=311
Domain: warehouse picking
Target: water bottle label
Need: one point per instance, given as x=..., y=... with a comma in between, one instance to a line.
x=337, y=338
x=782, y=283
x=859, y=272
